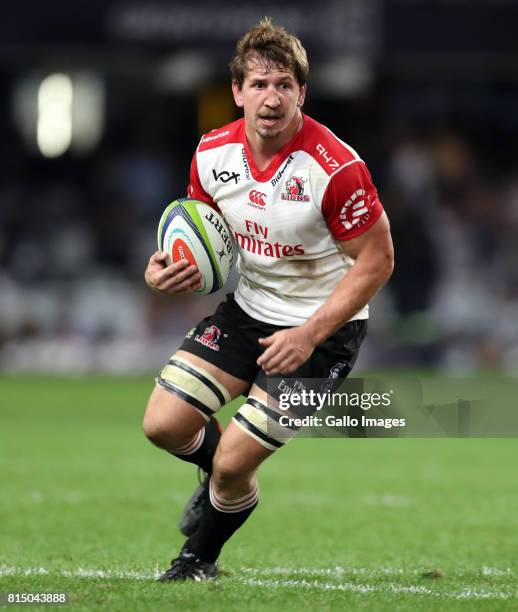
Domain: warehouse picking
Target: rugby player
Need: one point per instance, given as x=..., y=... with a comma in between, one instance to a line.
x=314, y=247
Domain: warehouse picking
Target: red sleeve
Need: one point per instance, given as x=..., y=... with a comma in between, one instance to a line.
x=195, y=190
x=351, y=205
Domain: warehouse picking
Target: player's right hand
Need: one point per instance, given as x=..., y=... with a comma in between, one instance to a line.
x=177, y=278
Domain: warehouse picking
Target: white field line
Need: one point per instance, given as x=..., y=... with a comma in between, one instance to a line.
x=337, y=572
x=467, y=593
x=302, y=583
x=493, y=571
x=76, y=497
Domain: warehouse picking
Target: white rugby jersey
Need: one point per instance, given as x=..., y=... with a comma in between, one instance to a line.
x=287, y=218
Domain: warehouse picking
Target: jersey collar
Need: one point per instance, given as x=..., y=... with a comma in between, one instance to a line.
x=262, y=176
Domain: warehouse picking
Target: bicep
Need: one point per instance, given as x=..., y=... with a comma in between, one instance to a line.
x=375, y=241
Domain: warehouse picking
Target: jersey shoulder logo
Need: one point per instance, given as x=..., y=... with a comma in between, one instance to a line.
x=212, y=137
x=328, y=151
x=331, y=162
x=228, y=134
x=294, y=190
x=357, y=209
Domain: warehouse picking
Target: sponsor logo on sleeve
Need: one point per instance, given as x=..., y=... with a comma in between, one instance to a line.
x=328, y=158
x=357, y=209
x=215, y=137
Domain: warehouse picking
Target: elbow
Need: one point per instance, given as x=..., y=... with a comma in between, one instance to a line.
x=386, y=266
x=389, y=263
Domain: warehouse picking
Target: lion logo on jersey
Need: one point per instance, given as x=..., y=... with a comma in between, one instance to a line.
x=295, y=186
x=295, y=190
x=210, y=337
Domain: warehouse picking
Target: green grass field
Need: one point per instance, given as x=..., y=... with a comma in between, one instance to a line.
x=90, y=508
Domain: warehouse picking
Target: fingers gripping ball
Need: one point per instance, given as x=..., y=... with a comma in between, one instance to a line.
x=192, y=230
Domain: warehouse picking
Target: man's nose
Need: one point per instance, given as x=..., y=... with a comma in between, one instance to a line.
x=272, y=98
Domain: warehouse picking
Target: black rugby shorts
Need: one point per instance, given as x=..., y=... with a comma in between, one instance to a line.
x=229, y=340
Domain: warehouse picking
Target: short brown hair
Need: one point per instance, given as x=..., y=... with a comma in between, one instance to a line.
x=273, y=44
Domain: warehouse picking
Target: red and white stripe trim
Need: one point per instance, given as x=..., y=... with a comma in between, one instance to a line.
x=192, y=446
x=233, y=505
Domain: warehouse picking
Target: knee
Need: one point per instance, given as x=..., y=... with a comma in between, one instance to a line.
x=227, y=469
x=162, y=433
x=155, y=429
x=168, y=423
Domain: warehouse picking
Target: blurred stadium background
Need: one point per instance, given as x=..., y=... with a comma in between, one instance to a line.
x=104, y=102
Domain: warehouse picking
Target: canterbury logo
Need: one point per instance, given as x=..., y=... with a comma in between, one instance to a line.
x=256, y=197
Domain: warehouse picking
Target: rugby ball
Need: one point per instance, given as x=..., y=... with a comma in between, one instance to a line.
x=193, y=230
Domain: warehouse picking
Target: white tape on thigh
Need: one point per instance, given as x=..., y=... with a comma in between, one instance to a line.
x=258, y=421
x=194, y=385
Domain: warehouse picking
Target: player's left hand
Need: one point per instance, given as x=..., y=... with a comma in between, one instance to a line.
x=286, y=350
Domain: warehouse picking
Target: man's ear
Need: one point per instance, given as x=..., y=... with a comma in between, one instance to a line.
x=302, y=96
x=238, y=94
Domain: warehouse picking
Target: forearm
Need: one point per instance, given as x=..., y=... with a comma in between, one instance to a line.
x=355, y=290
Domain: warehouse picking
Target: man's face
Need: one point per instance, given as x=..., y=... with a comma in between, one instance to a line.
x=270, y=97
